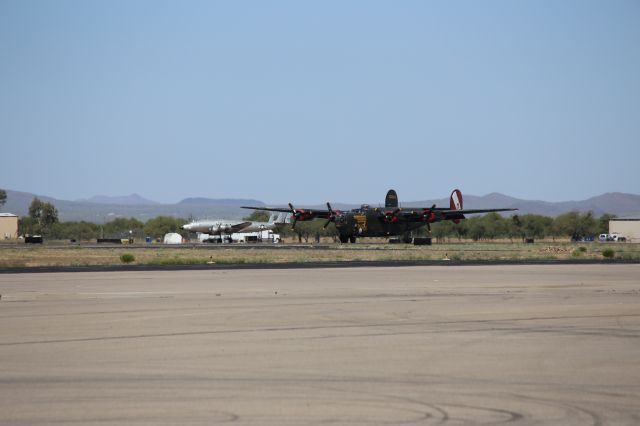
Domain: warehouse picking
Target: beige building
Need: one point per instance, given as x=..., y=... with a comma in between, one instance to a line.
x=8, y=226
x=627, y=226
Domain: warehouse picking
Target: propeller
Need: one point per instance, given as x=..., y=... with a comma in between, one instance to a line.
x=332, y=215
x=429, y=215
x=299, y=214
x=390, y=216
x=294, y=215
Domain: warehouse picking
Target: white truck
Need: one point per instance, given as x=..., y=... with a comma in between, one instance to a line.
x=266, y=236
x=613, y=237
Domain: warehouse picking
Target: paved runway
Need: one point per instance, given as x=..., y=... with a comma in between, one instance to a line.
x=550, y=344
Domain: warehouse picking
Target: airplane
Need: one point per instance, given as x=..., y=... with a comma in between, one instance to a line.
x=377, y=222
x=228, y=227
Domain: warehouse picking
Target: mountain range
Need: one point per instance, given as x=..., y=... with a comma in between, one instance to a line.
x=103, y=208
x=125, y=200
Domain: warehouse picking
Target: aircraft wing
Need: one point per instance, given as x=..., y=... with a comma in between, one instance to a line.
x=239, y=226
x=433, y=214
x=299, y=214
x=474, y=211
x=269, y=209
x=460, y=214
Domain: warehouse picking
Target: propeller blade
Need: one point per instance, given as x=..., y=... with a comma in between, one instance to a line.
x=331, y=217
x=294, y=217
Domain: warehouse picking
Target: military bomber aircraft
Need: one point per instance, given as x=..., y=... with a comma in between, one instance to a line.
x=389, y=221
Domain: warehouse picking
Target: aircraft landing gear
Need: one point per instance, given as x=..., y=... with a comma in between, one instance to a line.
x=406, y=238
x=347, y=239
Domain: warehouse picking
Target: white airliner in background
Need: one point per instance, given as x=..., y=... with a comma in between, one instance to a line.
x=227, y=227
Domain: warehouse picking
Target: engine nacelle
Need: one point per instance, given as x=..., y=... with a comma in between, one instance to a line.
x=390, y=216
x=302, y=215
x=429, y=216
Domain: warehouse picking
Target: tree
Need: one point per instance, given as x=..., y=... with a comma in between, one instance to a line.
x=3, y=197
x=495, y=225
x=28, y=226
x=120, y=227
x=443, y=229
x=575, y=224
x=43, y=214
x=603, y=223
x=461, y=229
x=516, y=228
x=81, y=231
x=161, y=225
x=477, y=228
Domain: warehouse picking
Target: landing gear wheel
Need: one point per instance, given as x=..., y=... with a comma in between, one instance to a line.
x=406, y=238
x=344, y=239
x=352, y=239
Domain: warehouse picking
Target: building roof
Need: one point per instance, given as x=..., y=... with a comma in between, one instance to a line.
x=634, y=217
x=8, y=215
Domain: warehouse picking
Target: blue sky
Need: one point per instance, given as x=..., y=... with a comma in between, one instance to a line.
x=316, y=101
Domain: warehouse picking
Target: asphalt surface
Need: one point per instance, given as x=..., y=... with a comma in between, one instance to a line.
x=525, y=345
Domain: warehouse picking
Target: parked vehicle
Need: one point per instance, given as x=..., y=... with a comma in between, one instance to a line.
x=266, y=236
x=612, y=237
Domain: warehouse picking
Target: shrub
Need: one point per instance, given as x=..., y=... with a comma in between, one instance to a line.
x=577, y=253
x=608, y=253
x=583, y=249
x=127, y=258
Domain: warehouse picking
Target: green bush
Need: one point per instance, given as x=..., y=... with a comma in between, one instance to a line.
x=579, y=251
x=608, y=253
x=127, y=258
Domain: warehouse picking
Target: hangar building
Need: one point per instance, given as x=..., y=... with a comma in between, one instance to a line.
x=628, y=226
x=8, y=226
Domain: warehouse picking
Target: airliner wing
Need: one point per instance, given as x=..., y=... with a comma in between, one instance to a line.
x=240, y=226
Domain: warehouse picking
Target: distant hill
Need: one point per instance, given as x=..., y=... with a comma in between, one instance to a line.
x=96, y=209
x=221, y=202
x=617, y=203
x=125, y=200
x=100, y=209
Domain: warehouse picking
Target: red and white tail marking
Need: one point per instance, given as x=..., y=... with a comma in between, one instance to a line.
x=456, y=200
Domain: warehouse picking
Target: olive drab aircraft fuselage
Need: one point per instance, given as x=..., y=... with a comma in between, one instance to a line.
x=391, y=220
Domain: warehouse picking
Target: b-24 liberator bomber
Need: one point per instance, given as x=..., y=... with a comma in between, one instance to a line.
x=391, y=220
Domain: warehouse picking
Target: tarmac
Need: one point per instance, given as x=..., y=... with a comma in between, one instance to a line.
x=428, y=345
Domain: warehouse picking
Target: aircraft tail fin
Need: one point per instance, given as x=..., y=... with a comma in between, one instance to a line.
x=391, y=201
x=279, y=218
x=455, y=202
